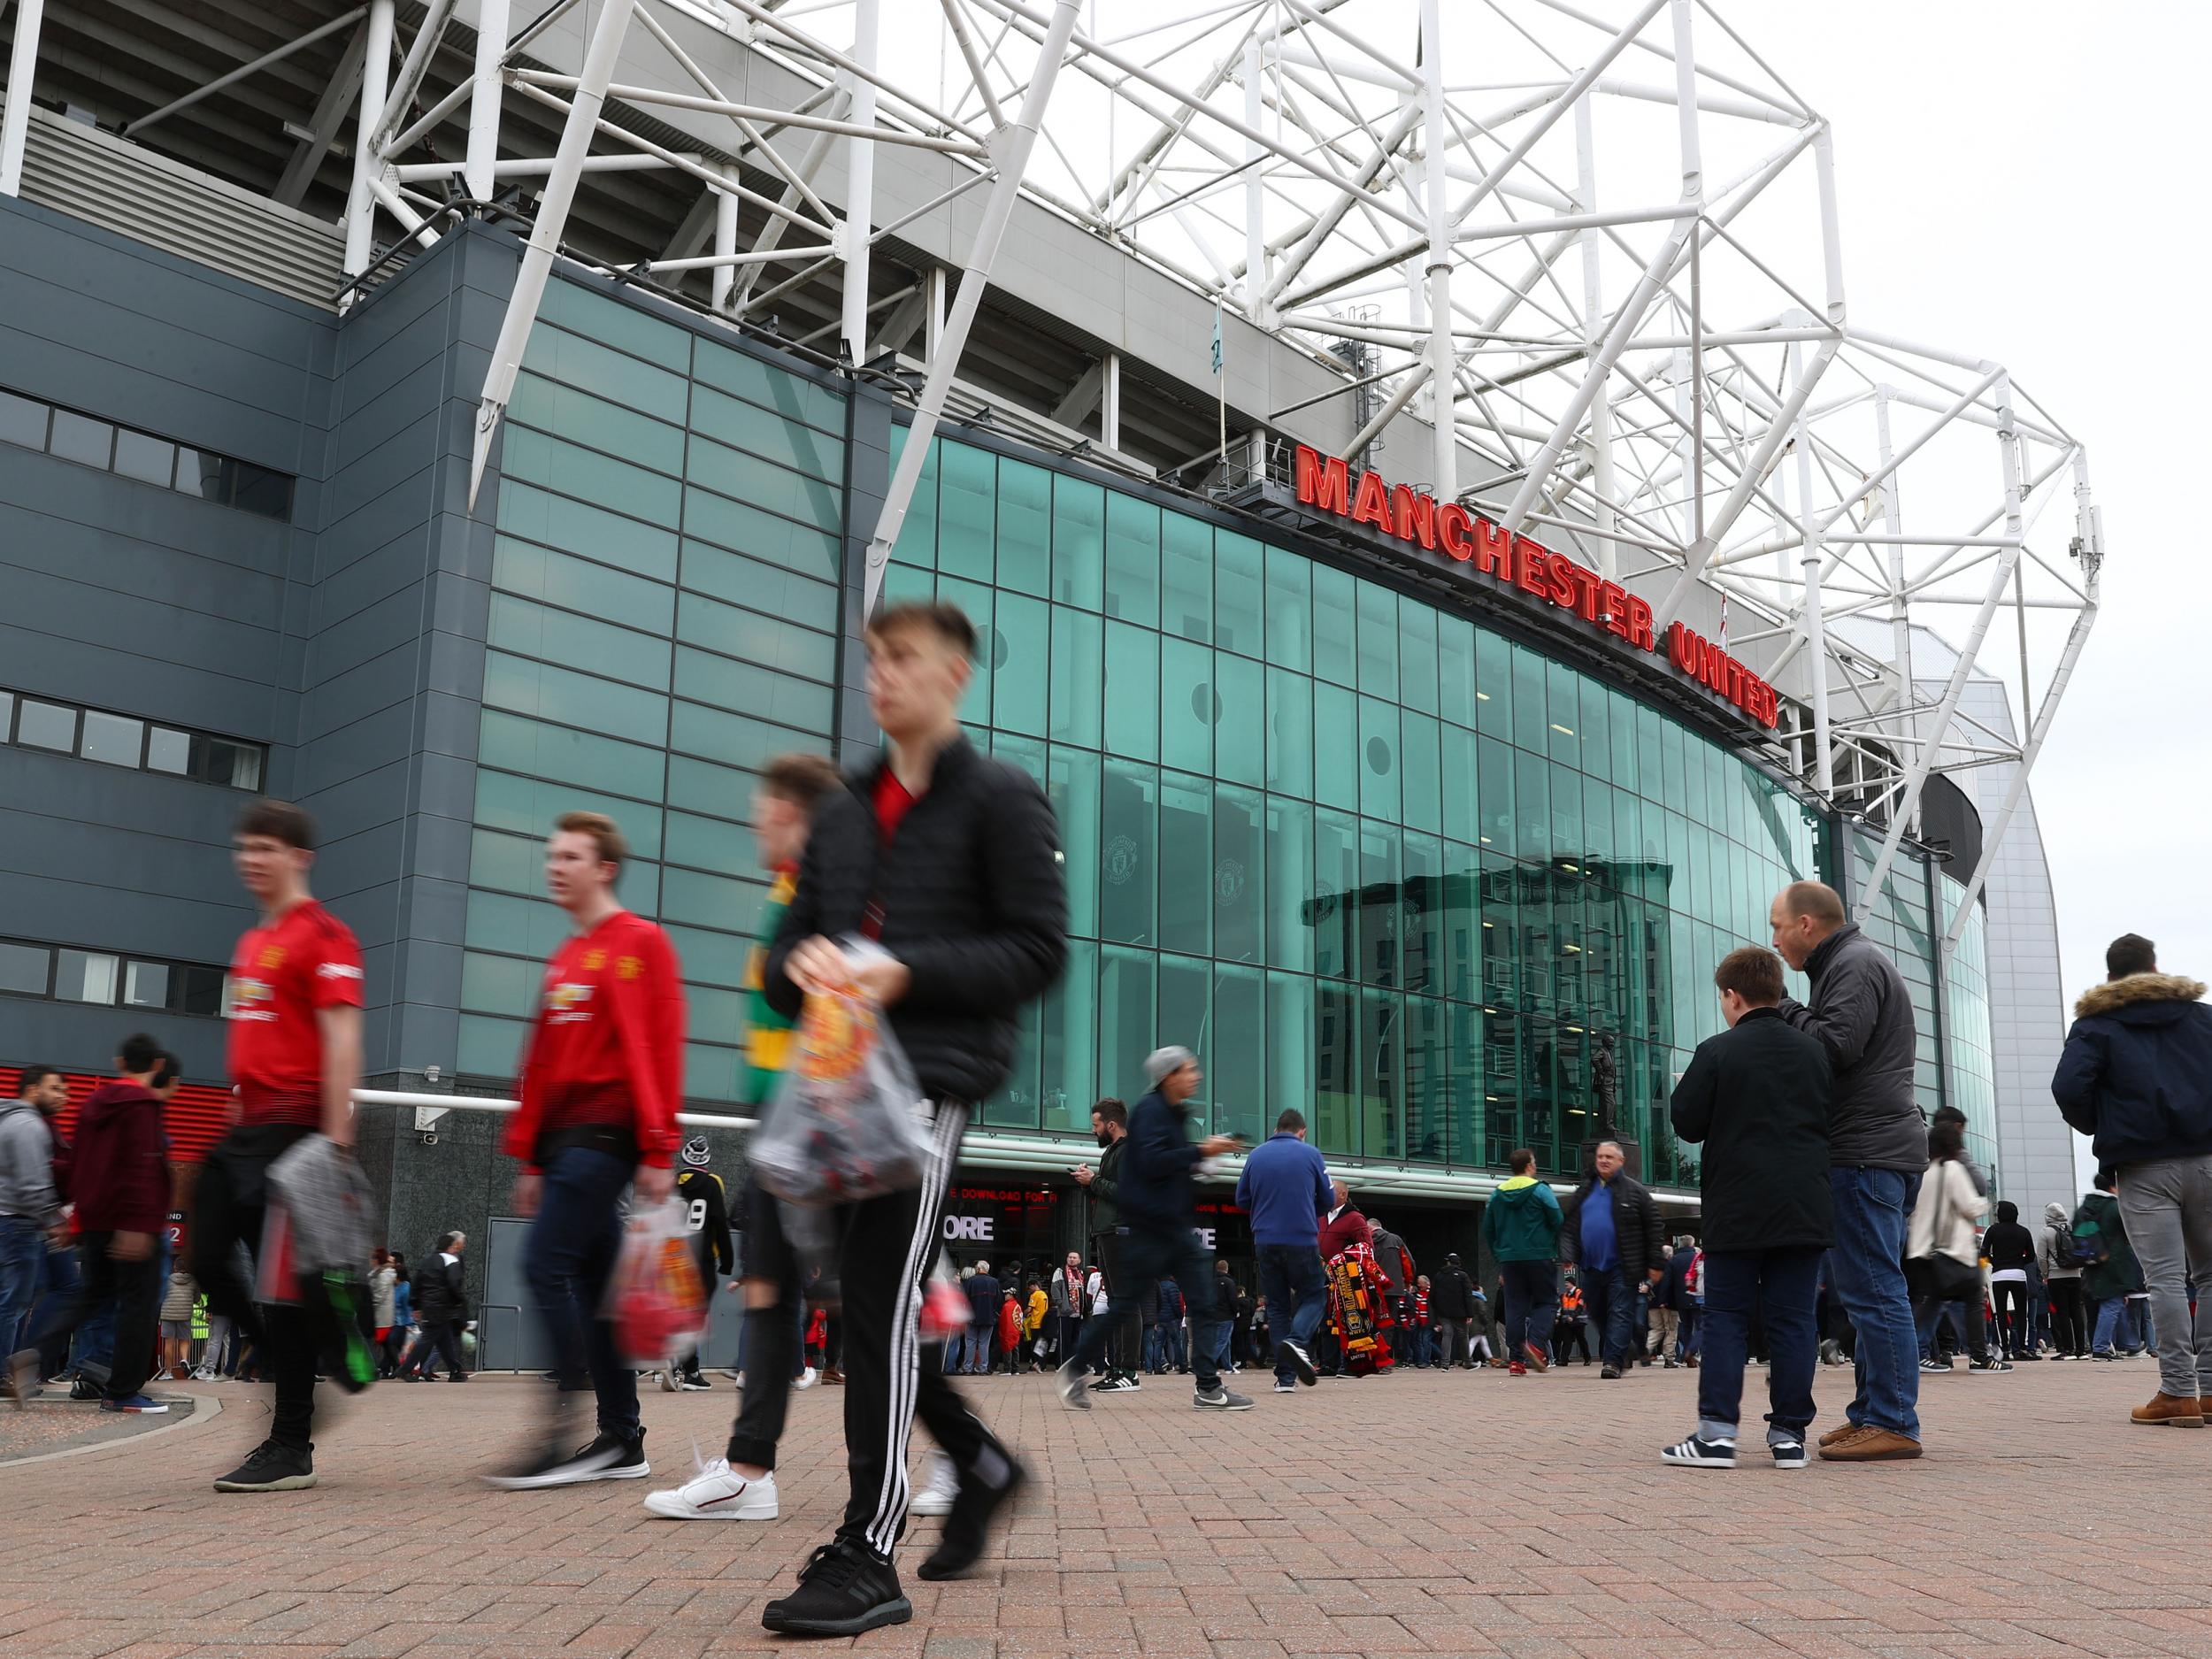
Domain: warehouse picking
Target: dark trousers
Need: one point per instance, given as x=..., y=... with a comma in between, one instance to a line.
x=2070, y=1322
x=230, y=1208
x=1149, y=1254
x=1613, y=1311
x=394, y=1350
x=772, y=1336
x=1070, y=1332
x=889, y=1245
x=441, y=1340
x=567, y=1259
x=2016, y=1330
x=134, y=1290
x=1126, y=1351
x=1779, y=1287
x=1531, y=1297
x=1296, y=1288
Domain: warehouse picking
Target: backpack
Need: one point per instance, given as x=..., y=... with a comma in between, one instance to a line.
x=2086, y=1247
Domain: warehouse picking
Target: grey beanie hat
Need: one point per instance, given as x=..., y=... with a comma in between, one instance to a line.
x=1161, y=1064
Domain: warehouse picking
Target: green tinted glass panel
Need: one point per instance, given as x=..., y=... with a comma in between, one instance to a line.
x=1494, y=685
x=704, y=786
x=523, y=687
x=1132, y=692
x=760, y=483
x=758, y=587
x=568, y=412
x=1335, y=625
x=1018, y=678
x=1025, y=527
x=1416, y=655
x=1289, y=609
x=967, y=484
x=616, y=322
x=1070, y=1061
x=1531, y=728
x=1457, y=782
x=1532, y=801
x=1378, y=642
x=1129, y=865
x=559, y=579
x=1334, y=906
x=1187, y=705
x=1455, y=670
x=976, y=603
x=1071, y=784
x=516, y=625
x=513, y=863
x=1421, y=790
x=709, y=843
x=710, y=1073
x=758, y=639
x=764, y=535
x=1336, y=756
x=534, y=458
x=1378, y=758
x=710, y=958
x=706, y=677
x=490, y=1048
x=614, y=375
x=530, y=804
x=1078, y=676
x=747, y=426
x=732, y=739
x=1240, y=689
x=1288, y=836
x=1621, y=731
x=1185, y=864
x=917, y=532
x=1133, y=560
x=606, y=537
x=1289, y=733
x=531, y=928
x=1238, y=1038
x=1238, y=593
x=715, y=1015
x=713, y=900
x=1128, y=1023
x=498, y=985
x=786, y=394
x=1493, y=806
x=1079, y=542
x=1290, y=1038
x=1187, y=577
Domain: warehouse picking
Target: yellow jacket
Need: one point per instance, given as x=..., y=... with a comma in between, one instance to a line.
x=1038, y=1303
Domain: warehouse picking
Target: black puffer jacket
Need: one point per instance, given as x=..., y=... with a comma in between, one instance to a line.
x=1861, y=1012
x=973, y=902
x=2137, y=1073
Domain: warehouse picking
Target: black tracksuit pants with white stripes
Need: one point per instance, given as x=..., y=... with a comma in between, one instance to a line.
x=890, y=1245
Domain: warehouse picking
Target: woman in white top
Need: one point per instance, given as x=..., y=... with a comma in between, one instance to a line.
x=1943, y=1225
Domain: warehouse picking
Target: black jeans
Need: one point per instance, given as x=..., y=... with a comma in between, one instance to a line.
x=136, y=1288
x=890, y=1244
x=1148, y=1256
x=439, y=1341
x=2015, y=1328
x=229, y=1208
x=2069, y=1322
x=1532, y=1295
x=772, y=1336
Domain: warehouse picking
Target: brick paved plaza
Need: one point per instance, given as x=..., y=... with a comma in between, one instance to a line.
x=1417, y=1514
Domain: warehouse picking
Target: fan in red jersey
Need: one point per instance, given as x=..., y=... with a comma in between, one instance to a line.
x=602, y=1080
x=295, y=1057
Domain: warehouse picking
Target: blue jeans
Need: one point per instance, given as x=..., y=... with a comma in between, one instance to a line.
x=1613, y=1310
x=1297, y=1293
x=2116, y=1318
x=1965, y=1319
x=568, y=1258
x=1780, y=1286
x=1532, y=1303
x=1872, y=1210
x=22, y=1270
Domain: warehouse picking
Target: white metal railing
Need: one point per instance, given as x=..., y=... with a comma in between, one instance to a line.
x=999, y=1151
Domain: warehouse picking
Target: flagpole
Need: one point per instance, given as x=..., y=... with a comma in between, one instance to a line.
x=1221, y=385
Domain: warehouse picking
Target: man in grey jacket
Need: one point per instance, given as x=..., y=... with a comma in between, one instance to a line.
x=30, y=1210
x=1861, y=1013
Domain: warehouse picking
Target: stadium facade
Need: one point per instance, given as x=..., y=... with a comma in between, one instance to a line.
x=1433, y=827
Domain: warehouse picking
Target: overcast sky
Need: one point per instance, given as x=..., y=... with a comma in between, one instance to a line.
x=2020, y=181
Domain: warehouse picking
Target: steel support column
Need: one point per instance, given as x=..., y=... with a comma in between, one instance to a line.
x=1442, y=355
x=15, y=126
x=484, y=97
x=545, y=236
x=860, y=182
x=376, y=80
x=1009, y=149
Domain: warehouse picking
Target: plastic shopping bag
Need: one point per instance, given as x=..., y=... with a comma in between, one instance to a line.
x=944, y=1304
x=843, y=1126
x=655, y=1298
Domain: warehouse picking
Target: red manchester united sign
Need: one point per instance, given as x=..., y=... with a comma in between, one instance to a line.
x=1326, y=485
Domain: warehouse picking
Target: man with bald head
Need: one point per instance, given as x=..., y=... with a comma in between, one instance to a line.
x=1861, y=1013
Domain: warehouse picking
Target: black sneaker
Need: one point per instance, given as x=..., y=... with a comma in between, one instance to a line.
x=270, y=1467
x=692, y=1382
x=1610, y=1373
x=843, y=1590
x=968, y=1522
x=1787, y=1454
x=1697, y=1452
x=85, y=1388
x=1990, y=1367
x=1301, y=1362
x=609, y=1456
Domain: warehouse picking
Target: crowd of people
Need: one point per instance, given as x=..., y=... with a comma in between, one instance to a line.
x=1836, y=1224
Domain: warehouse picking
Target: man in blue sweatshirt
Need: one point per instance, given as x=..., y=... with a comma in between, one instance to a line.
x=1285, y=1189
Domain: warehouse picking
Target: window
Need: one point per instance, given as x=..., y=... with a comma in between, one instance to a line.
x=25, y=969
x=84, y=976
x=120, y=740
x=63, y=973
x=90, y=441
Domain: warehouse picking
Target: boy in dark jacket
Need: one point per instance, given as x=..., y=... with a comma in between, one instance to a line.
x=1757, y=1096
x=949, y=861
x=120, y=1180
x=2137, y=1075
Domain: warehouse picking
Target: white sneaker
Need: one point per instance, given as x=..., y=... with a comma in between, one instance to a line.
x=716, y=1494
x=807, y=1378
x=944, y=1486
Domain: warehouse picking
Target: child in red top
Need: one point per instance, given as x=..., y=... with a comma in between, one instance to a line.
x=294, y=1057
x=602, y=1080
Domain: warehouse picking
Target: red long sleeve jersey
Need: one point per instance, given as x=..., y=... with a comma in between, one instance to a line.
x=283, y=974
x=608, y=1044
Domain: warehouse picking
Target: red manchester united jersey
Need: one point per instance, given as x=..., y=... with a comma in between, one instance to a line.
x=283, y=972
x=608, y=1046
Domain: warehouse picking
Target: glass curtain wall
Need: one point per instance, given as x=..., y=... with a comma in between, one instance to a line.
x=1968, y=1037
x=663, y=617
x=1364, y=856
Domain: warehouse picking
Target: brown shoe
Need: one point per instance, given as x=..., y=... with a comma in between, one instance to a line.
x=1871, y=1446
x=1834, y=1436
x=2177, y=1411
x=831, y=1378
x=1535, y=1357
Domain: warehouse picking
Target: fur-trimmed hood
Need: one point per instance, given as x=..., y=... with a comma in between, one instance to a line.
x=2114, y=994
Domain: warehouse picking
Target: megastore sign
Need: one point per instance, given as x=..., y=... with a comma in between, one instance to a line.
x=1326, y=484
